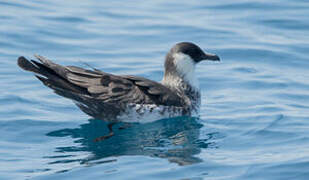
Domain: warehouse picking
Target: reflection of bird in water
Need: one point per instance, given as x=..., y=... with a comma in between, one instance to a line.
x=127, y=98
x=176, y=139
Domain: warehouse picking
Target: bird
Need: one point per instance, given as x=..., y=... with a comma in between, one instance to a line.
x=128, y=98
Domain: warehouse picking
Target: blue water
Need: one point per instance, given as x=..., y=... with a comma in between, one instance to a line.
x=254, y=121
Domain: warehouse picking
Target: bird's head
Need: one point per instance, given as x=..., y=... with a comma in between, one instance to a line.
x=181, y=60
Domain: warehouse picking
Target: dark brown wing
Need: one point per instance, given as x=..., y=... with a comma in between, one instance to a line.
x=99, y=89
x=123, y=89
x=155, y=92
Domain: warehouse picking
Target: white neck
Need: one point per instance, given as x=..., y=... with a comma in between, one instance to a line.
x=185, y=67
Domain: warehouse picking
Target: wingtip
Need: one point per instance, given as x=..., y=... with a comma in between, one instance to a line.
x=25, y=64
x=40, y=78
x=45, y=81
x=43, y=59
x=21, y=61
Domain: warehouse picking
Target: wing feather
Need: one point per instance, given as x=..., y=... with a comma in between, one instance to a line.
x=99, y=86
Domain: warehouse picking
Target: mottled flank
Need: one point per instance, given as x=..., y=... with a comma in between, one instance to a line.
x=148, y=113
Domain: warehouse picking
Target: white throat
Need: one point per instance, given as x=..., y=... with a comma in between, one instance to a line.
x=185, y=66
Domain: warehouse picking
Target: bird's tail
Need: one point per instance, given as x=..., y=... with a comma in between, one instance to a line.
x=70, y=82
x=51, y=74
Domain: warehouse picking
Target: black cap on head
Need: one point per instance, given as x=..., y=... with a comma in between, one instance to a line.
x=195, y=52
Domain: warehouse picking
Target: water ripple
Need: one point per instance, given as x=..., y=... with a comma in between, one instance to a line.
x=254, y=116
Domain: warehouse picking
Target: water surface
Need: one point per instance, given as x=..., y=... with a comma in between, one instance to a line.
x=254, y=121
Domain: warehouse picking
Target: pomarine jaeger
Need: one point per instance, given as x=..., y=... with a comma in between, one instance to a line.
x=127, y=98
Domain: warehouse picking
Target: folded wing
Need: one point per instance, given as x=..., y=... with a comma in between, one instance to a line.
x=97, y=92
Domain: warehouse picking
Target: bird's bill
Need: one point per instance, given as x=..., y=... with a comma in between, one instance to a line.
x=212, y=57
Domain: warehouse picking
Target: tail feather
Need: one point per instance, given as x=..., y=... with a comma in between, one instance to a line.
x=56, y=68
x=70, y=82
x=54, y=74
x=27, y=65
